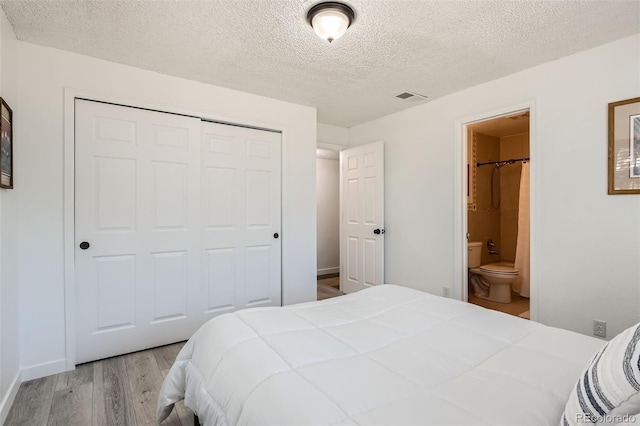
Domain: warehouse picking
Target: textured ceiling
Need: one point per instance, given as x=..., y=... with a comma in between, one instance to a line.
x=503, y=126
x=266, y=47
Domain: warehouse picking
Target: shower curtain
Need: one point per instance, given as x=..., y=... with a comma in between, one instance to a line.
x=521, y=284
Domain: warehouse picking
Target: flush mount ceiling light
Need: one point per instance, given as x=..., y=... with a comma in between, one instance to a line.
x=330, y=20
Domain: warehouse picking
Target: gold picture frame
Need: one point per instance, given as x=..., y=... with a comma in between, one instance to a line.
x=624, y=147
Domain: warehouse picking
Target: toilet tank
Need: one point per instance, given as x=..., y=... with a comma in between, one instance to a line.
x=474, y=253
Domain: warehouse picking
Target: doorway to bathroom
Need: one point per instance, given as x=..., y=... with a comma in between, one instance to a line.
x=498, y=213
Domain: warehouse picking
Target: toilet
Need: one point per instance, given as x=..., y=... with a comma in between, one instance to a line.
x=497, y=276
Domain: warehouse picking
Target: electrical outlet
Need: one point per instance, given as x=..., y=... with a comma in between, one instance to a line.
x=599, y=328
x=445, y=291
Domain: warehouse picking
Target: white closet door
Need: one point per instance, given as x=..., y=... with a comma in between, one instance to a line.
x=138, y=208
x=241, y=210
x=362, y=222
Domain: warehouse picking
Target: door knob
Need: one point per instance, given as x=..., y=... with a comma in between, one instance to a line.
x=84, y=245
x=276, y=235
x=378, y=231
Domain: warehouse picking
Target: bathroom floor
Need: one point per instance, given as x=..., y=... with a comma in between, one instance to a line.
x=519, y=305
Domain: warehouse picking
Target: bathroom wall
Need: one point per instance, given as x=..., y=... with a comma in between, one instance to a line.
x=501, y=224
x=514, y=146
x=484, y=221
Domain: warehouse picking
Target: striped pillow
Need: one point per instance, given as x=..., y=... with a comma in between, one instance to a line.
x=608, y=391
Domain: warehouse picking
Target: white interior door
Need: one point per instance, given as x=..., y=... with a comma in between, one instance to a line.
x=241, y=210
x=362, y=221
x=175, y=223
x=137, y=207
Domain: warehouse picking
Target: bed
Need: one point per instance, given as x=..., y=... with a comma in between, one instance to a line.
x=384, y=355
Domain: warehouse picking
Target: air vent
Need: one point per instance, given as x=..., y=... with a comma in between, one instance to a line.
x=411, y=96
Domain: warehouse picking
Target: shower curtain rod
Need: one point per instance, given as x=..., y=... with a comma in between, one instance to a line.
x=502, y=162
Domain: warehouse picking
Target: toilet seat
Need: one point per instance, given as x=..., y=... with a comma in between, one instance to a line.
x=498, y=269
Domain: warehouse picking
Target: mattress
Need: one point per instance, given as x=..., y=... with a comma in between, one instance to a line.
x=384, y=355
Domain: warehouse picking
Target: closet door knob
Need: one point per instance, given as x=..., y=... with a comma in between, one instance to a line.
x=378, y=231
x=276, y=235
x=84, y=245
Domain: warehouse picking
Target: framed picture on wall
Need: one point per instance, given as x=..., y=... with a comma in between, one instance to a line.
x=6, y=145
x=624, y=147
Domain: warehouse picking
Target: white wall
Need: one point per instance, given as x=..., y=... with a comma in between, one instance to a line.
x=328, y=196
x=332, y=137
x=44, y=73
x=335, y=138
x=588, y=241
x=9, y=290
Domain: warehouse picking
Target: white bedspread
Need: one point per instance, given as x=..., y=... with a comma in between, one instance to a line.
x=385, y=355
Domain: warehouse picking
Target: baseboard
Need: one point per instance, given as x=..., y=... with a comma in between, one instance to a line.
x=9, y=397
x=327, y=271
x=44, y=369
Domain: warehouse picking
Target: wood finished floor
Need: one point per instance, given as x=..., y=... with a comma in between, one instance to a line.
x=121, y=390
x=117, y=391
